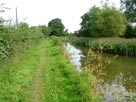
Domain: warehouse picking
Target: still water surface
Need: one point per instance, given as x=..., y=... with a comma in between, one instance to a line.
x=120, y=74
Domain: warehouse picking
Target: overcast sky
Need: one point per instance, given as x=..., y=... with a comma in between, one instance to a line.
x=40, y=12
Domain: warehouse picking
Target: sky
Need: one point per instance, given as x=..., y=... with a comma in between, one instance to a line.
x=40, y=12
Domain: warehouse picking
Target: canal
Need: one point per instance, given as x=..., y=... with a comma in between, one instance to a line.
x=117, y=78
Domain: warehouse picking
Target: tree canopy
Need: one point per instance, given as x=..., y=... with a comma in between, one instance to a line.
x=129, y=8
x=103, y=22
x=57, y=27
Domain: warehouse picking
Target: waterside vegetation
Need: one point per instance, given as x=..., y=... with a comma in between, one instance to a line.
x=119, y=46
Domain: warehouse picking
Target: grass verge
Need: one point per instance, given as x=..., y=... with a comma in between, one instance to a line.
x=63, y=82
x=16, y=77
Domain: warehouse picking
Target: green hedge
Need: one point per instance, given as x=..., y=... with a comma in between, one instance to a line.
x=15, y=40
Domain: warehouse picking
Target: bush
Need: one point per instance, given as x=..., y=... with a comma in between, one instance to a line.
x=15, y=40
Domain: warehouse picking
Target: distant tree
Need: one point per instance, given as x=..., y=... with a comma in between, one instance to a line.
x=129, y=8
x=103, y=22
x=56, y=26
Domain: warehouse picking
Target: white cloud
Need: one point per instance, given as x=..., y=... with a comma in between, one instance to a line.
x=42, y=11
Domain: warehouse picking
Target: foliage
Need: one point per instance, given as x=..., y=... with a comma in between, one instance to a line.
x=4, y=43
x=36, y=32
x=131, y=97
x=46, y=30
x=56, y=26
x=17, y=76
x=64, y=83
x=23, y=29
x=110, y=45
x=14, y=40
x=89, y=21
x=130, y=31
x=129, y=8
x=103, y=22
x=56, y=41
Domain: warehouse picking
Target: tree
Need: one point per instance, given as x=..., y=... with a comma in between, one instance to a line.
x=112, y=22
x=56, y=26
x=103, y=22
x=129, y=8
x=89, y=22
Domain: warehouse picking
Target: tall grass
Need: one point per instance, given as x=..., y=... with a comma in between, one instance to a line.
x=119, y=46
x=16, y=77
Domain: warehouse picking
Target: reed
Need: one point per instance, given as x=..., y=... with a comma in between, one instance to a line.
x=118, y=46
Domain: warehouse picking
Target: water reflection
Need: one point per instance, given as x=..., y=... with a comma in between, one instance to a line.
x=75, y=55
x=120, y=75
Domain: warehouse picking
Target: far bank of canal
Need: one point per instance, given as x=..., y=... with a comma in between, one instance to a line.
x=119, y=78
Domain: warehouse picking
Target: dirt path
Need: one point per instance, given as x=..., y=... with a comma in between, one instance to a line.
x=38, y=84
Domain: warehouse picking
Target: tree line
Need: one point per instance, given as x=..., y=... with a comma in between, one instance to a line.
x=108, y=21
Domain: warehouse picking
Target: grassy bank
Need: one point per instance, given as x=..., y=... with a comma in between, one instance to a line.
x=44, y=74
x=16, y=77
x=64, y=83
x=119, y=46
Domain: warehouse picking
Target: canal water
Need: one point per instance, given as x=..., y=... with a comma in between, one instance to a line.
x=119, y=79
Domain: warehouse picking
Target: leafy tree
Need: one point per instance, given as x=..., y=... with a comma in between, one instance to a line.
x=129, y=8
x=103, y=22
x=112, y=22
x=89, y=22
x=56, y=26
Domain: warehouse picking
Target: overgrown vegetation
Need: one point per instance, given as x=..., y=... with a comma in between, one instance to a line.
x=64, y=83
x=16, y=39
x=20, y=52
x=16, y=77
x=111, y=45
